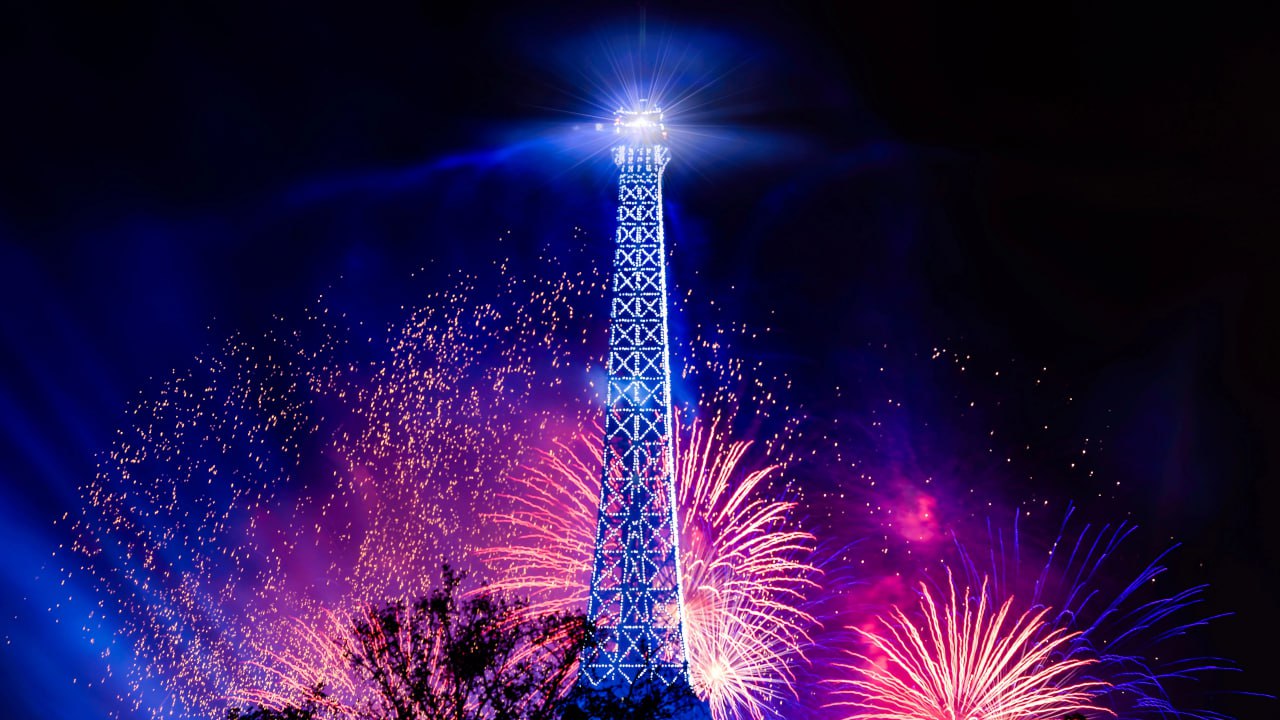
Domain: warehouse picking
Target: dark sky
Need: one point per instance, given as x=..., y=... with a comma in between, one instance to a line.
x=1089, y=187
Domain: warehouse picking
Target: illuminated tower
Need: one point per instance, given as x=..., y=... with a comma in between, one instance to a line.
x=635, y=583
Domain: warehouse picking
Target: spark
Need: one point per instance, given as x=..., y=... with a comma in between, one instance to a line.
x=309, y=472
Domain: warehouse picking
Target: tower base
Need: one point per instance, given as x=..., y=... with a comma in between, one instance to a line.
x=641, y=700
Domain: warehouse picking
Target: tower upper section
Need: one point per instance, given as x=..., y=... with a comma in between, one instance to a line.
x=641, y=153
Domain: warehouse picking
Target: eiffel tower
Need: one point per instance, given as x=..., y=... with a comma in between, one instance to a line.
x=636, y=599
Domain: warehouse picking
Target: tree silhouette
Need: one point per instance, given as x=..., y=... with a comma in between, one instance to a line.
x=451, y=656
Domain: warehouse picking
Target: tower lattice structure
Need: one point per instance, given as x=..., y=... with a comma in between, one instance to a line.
x=636, y=598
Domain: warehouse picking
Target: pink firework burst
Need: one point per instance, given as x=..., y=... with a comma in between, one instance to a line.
x=964, y=660
x=746, y=566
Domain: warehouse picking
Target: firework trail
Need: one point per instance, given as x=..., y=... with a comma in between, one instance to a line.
x=747, y=573
x=745, y=564
x=315, y=667
x=1125, y=631
x=969, y=661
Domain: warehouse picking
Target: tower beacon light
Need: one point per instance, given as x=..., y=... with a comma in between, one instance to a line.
x=641, y=126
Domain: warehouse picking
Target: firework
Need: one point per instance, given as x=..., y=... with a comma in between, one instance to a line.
x=964, y=660
x=250, y=506
x=308, y=473
x=287, y=482
x=746, y=567
x=1125, y=631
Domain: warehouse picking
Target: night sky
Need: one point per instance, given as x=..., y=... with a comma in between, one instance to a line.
x=1086, y=189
